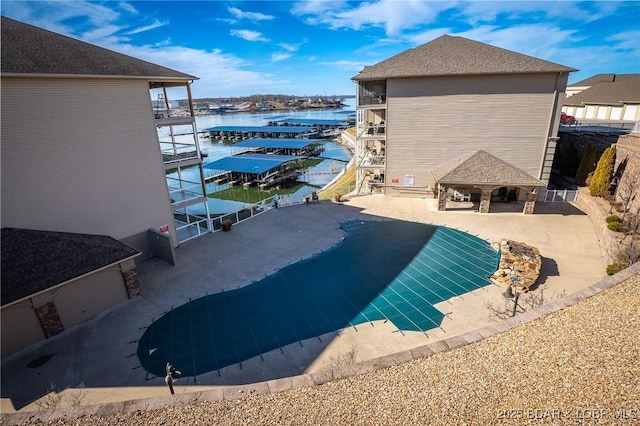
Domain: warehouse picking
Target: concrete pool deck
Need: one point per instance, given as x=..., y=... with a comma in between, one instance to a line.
x=96, y=362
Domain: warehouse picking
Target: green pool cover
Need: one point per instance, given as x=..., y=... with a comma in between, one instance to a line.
x=390, y=270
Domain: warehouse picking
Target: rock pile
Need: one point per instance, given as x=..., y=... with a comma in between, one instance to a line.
x=519, y=265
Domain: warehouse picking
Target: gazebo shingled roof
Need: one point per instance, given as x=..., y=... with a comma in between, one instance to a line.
x=482, y=168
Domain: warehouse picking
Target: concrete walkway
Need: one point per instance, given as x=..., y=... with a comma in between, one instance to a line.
x=96, y=362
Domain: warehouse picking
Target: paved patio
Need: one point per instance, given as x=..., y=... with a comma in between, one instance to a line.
x=99, y=356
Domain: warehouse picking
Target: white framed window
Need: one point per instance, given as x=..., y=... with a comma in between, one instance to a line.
x=616, y=113
x=630, y=112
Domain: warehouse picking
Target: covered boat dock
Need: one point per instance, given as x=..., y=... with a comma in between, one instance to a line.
x=246, y=132
x=263, y=170
x=311, y=122
x=296, y=147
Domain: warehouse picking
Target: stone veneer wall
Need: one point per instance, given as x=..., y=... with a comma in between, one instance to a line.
x=132, y=283
x=628, y=148
x=597, y=214
x=49, y=319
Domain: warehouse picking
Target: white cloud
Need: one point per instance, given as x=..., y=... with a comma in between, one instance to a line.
x=40, y=14
x=128, y=7
x=277, y=57
x=544, y=41
x=219, y=74
x=249, y=35
x=253, y=16
x=628, y=41
x=155, y=24
x=489, y=11
x=392, y=15
x=291, y=47
x=352, y=66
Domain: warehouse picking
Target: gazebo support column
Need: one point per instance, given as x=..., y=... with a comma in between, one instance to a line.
x=485, y=200
x=530, y=203
x=442, y=198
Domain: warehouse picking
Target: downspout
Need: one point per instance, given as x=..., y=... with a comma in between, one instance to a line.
x=550, y=127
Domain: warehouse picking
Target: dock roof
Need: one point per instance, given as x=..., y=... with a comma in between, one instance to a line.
x=251, y=163
x=266, y=129
x=312, y=122
x=274, y=143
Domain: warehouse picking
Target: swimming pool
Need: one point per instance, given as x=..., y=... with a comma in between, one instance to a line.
x=381, y=270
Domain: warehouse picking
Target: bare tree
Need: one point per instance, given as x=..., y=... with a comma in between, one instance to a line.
x=515, y=302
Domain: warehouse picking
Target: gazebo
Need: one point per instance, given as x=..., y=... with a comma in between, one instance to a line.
x=484, y=173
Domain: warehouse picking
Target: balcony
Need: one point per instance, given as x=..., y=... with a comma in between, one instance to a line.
x=179, y=155
x=371, y=130
x=373, y=99
x=372, y=93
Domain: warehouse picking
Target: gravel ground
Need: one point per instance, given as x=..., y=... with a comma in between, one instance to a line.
x=580, y=365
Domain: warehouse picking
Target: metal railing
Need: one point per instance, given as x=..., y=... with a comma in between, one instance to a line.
x=596, y=127
x=283, y=201
x=560, y=196
x=189, y=226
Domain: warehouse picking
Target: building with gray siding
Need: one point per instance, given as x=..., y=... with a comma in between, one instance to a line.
x=428, y=106
x=82, y=162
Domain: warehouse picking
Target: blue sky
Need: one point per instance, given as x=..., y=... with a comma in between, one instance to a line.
x=240, y=48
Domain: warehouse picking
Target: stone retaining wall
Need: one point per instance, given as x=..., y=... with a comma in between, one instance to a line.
x=597, y=214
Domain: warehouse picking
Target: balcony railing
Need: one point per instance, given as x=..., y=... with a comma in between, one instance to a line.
x=371, y=160
x=372, y=99
x=371, y=130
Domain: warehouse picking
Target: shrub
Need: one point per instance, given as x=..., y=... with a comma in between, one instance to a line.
x=614, y=226
x=614, y=268
x=601, y=179
x=613, y=218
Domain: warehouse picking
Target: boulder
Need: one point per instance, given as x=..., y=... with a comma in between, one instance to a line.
x=519, y=265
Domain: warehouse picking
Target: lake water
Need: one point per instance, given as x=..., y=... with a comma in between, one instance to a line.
x=336, y=155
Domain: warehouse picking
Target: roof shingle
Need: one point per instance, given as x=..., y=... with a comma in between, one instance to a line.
x=449, y=55
x=29, y=50
x=613, y=92
x=602, y=78
x=33, y=260
x=482, y=168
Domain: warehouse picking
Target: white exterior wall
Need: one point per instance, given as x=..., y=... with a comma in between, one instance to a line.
x=81, y=155
x=433, y=121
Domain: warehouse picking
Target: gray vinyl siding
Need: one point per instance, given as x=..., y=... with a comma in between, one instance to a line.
x=433, y=121
x=81, y=155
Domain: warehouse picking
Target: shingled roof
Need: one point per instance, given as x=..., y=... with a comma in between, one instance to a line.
x=618, y=91
x=602, y=78
x=29, y=50
x=33, y=261
x=482, y=168
x=449, y=55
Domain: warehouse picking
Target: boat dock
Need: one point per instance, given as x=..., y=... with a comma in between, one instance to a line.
x=264, y=170
x=238, y=133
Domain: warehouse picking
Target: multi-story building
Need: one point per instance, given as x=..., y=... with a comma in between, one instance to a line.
x=85, y=193
x=80, y=146
x=426, y=115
